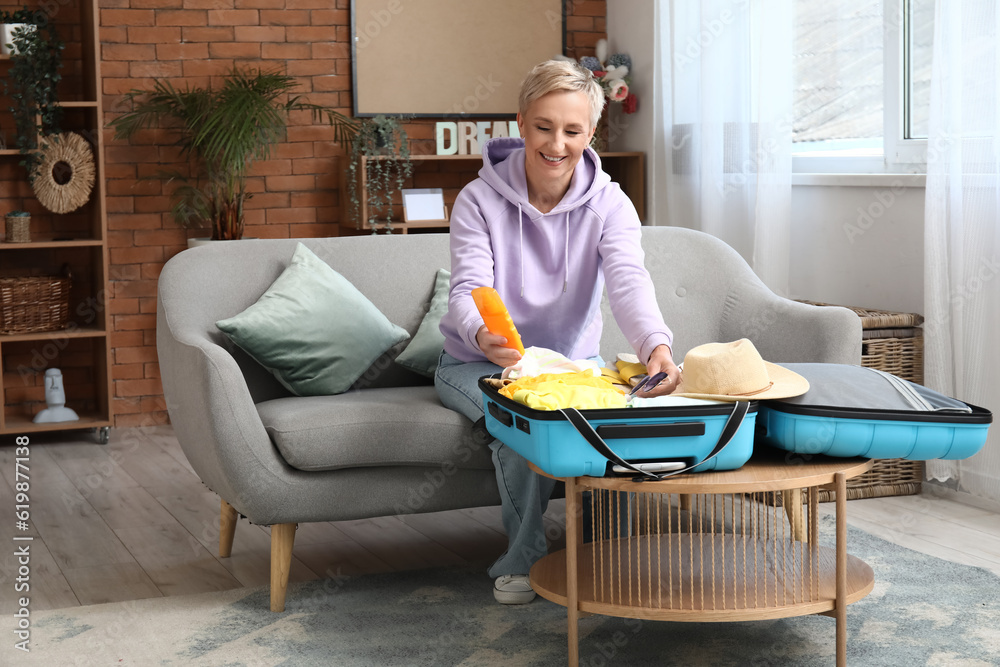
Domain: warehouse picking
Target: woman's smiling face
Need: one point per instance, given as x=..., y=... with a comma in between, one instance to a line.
x=556, y=130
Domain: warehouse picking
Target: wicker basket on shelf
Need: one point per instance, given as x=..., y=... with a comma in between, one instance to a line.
x=894, y=343
x=18, y=228
x=33, y=304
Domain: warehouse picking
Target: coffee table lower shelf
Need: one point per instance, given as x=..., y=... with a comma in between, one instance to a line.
x=702, y=578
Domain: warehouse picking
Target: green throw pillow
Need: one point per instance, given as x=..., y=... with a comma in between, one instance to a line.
x=313, y=329
x=422, y=353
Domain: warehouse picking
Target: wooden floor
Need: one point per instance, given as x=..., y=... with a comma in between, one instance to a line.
x=131, y=520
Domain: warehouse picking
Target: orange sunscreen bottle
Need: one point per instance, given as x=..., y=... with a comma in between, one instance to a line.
x=496, y=317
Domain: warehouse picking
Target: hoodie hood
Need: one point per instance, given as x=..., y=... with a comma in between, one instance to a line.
x=503, y=170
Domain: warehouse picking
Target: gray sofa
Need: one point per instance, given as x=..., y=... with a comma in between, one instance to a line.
x=388, y=446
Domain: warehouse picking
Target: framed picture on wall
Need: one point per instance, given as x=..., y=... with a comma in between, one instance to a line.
x=449, y=58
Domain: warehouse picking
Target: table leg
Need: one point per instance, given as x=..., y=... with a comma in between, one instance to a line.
x=840, y=480
x=572, y=580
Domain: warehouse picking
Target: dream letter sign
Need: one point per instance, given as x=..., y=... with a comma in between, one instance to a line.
x=467, y=137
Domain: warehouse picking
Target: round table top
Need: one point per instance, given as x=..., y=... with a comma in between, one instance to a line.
x=767, y=470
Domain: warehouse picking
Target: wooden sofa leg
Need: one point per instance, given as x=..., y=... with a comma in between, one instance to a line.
x=227, y=529
x=685, y=502
x=792, y=500
x=282, y=538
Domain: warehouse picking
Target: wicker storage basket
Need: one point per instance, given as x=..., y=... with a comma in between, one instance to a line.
x=894, y=343
x=898, y=351
x=32, y=304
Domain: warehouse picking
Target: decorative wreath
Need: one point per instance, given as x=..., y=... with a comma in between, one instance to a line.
x=65, y=176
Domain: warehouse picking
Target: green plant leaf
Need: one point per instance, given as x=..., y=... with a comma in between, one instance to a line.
x=32, y=81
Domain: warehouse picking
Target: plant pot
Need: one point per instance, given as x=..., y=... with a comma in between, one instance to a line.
x=18, y=228
x=7, y=47
x=204, y=240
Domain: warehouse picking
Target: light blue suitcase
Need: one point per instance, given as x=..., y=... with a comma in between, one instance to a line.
x=668, y=439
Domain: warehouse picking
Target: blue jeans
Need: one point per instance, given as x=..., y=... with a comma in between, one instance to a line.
x=524, y=494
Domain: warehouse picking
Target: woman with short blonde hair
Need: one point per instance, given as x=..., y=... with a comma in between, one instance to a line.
x=544, y=226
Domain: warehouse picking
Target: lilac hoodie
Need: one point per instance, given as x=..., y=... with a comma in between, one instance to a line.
x=550, y=268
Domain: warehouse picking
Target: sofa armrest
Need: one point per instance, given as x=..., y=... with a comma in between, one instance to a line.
x=214, y=417
x=789, y=331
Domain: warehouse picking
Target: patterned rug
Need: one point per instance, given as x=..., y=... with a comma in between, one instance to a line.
x=923, y=611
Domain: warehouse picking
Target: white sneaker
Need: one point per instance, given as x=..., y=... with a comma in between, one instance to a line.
x=513, y=589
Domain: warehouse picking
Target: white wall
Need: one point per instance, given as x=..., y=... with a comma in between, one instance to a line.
x=858, y=245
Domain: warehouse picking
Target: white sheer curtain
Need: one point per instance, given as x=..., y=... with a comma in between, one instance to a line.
x=724, y=117
x=962, y=227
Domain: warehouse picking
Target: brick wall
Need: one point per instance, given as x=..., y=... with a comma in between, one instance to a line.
x=295, y=193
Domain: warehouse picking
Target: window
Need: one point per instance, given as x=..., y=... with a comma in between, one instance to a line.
x=838, y=82
x=910, y=36
x=918, y=52
x=861, y=84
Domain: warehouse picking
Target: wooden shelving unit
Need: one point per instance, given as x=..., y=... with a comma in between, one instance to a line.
x=76, y=241
x=453, y=172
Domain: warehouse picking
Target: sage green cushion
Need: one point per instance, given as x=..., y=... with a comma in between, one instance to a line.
x=313, y=329
x=422, y=353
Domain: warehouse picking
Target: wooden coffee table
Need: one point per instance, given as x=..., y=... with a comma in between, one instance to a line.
x=717, y=546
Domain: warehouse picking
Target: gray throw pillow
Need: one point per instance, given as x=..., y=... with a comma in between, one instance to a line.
x=422, y=353
x=313, y=329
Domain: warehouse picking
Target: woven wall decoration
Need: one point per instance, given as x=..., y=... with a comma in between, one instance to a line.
x=64, y=178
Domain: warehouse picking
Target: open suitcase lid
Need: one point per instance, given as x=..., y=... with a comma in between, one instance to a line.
x=843, y=390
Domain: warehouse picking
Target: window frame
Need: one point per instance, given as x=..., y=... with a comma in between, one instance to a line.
x=900, y=155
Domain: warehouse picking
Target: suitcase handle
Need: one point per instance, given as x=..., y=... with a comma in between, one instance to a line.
x=501, y=416
x=740, y=410
x=674, y=430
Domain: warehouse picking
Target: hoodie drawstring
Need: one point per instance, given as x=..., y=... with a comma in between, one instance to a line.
x=566, y=256
x=520, y=238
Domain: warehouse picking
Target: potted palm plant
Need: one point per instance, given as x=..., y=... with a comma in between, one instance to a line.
x=221, y=132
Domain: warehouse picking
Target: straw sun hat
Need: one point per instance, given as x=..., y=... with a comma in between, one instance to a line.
x=736, y=372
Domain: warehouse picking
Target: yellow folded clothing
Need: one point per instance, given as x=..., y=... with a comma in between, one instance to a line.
x=612, y=374
x=552, y=391
x=615, y=378
x=628, y=370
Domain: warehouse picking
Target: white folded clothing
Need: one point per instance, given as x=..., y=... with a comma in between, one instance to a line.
x=667, y=401
x=539, y=360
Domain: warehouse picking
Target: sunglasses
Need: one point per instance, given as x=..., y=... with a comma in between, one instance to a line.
x=648, y=383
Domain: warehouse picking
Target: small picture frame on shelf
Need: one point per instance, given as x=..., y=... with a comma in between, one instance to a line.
x=424, y=206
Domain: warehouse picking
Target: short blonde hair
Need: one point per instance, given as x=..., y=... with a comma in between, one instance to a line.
x=555, y=75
